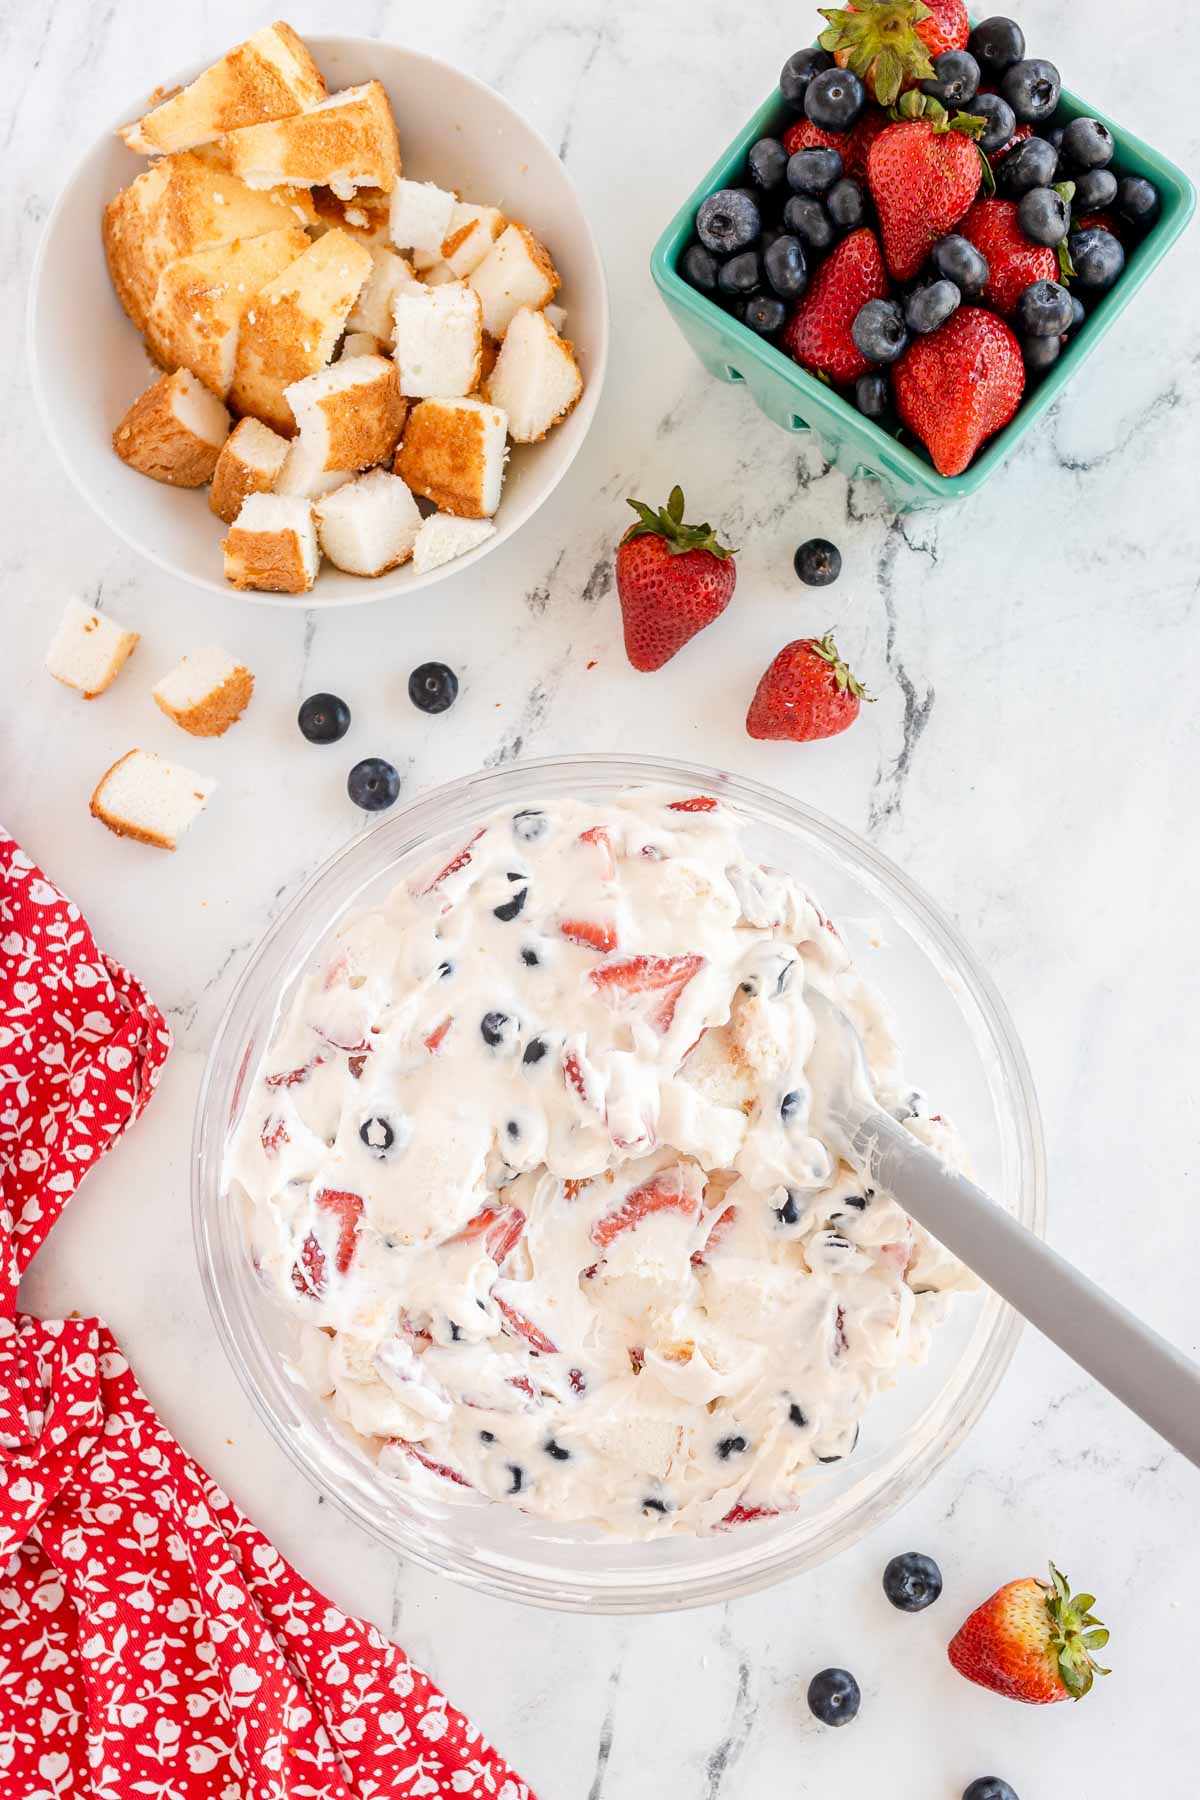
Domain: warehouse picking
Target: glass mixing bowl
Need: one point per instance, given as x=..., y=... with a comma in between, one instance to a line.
x=958, y=1045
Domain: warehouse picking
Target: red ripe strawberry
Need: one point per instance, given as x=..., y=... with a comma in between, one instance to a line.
x=590, y=934
x=1032, y=1641
x=1013, y=261
x=1099, y=221
x=818, y=332
x=1019, y=135
x=960, y=384
x=853, y=144
x=534, y=1336
x=672, y=1190
x=890, y=44
x=804, y=135
x=808, y=692
x=923, y=175
x=672, y=580
x=665, y=977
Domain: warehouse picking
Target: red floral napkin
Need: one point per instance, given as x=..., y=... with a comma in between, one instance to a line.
x=152, y=1642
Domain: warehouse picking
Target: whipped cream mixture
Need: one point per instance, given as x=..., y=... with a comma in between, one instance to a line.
x=534, y=1164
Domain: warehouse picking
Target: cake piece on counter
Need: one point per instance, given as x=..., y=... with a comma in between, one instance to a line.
x=375, y=307
x=250, y=462
x=350, y=415
x=536, y=379
x=438, y=340
x=270, y=76
x=201, y=299
x=180, y=205
x=146, y=797
x=420, y=216
x=89, y=650
x=206, y=692
x=360, y=343
x=343, y=143
x=293, y=327
x=174, y=431
x=442, y=538
x=272, y=545
x=369, y=525
x=453, y=453
x=516, y=272
x=470, y=235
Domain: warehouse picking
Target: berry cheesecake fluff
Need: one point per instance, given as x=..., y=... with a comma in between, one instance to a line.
x=534, y=1165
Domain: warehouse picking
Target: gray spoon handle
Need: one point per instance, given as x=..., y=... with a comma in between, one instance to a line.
x=1154, y=1380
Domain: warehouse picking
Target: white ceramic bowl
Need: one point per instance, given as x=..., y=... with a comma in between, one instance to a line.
x=88, y=362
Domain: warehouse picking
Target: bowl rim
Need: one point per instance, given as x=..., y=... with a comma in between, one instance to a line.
x=905, y=463
x=377, y=587
x=889, y=1491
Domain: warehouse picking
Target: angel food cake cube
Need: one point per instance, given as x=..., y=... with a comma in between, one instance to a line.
x=453, y=453
x=469, y=236
x=206, y=692
x=536, y=379
x=272, y=545
x=370, y=525
x=294, y=324
x=250, y=462
x=375, y=307
x=438, y=340
x=420, y=216
x=144, y=796
x=516, y=272
x=345, y=142
x=201, y=299
x=270, y=76
x=174, y=431
x=351, y=414
x=89, y=649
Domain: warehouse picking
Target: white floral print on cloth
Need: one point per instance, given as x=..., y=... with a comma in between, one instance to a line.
x=152, y=1642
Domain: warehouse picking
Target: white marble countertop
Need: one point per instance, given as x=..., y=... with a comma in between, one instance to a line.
x=1037, y=655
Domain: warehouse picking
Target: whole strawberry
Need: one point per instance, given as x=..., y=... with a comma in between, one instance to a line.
x=672, y=580
x=818, y=332
x=923, y=174
x=1031, y=1641
x=1013, y=261
x=959, y=385
x=890, y=44
x=808, y=692
x=853, y=145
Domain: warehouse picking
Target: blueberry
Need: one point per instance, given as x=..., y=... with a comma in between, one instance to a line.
x=872, y=395
x=535, y=1049
x=834, y=1697
x=377, y=1135
x=1097, y=256
x=728, y=221
x=373, y=784
x=764, y=313
x=444, y=969
x=516, y=1477
x=996, y=44
x=817, y=563
x=730, y=1446
x=931, y=306
x=912, y=1581
x=859, y=1201
x=796, y=1417
x=846, y=204
x=1032, y=89
x=513, y=1128
x=814, y=171
x=700, y=267
x=798, y=71
x=433, y=688
x=1087, y=144
x=507, y=911
x=494, y=1028
x=1033, y=164
x=1039, y=353
x=650, y=1504
x=785, y=267
x=530, y=825
x=790, y=1105
x=1043, y=310
x=1055, y=136
x=879, y=331
x=834, y=99
x=806, y=218
x=767, y=162
x=956, y=77
x=999, y=121
x=741, y=274
x=530, y=957
x=959, y=261
x=989, y=1787
x=1137, y=200
x=789, y=1213
x=1078, y=313
x=1093, y=189
x=557, y=1451
x=487, y=1437
x=1043, y=216
x=324, y=718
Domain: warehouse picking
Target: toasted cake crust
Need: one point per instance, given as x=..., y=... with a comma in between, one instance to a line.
x=219, y=709
x=152, y=440
x=233, y=478
x=442, y=458
x=270, y=76
x=291, y=329
x=270, y=561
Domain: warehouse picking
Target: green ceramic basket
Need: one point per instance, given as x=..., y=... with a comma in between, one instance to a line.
x=800, y=403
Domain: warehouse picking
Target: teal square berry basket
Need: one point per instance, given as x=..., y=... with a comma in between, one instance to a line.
x=799, y=402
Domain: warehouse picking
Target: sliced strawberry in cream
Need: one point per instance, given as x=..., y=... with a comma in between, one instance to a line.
x=308, y=1273
x=460, y=860
x=347, y=1208
x=500, y=1228
x=673, y=1190
x=428, y=1462
x=294, y=1077
x=746, y=1515
x=698, y=803
x=598, y=836
x=437, y=1036
x=590, y=934
x=535, y=1338
x=663, y=978
x=720, y=1230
